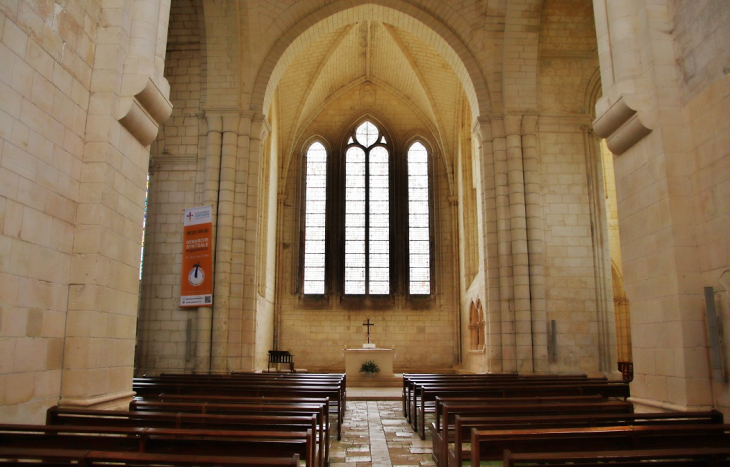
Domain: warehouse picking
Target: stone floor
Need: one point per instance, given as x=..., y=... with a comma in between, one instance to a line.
x=375, y=434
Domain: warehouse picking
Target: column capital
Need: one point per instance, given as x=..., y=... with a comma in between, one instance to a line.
x=512, y=124
x=529, y=124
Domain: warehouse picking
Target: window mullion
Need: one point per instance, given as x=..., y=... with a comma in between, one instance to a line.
x=367, y=222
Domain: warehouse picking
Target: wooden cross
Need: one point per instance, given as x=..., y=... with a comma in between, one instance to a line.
x=368, y=324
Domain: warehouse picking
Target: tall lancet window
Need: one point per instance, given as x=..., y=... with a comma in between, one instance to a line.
x=315, y=215
x=367, y=213
x=419, y=243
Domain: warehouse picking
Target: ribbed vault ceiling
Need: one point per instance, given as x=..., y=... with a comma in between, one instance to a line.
x=374, y=52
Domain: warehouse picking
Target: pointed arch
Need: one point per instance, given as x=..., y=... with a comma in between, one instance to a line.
x=399, y=13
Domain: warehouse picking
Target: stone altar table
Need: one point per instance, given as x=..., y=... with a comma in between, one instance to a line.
x=354, y=358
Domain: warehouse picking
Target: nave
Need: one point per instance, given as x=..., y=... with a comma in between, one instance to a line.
x=375, y=434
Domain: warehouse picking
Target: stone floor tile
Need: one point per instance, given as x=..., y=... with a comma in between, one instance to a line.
x=375, y=434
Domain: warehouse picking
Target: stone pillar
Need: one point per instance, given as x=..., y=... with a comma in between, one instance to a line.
x=604, y=43
x=104, y=274
x=456, y=324
x=504, y=234
x=280, y=203
x=651, y=126
x=143, y=37
x=520, y=257
x=623, y=31
x=224, y=241
x=605, y=324
x=214, y=138
x=491, y=261
x=535, y=243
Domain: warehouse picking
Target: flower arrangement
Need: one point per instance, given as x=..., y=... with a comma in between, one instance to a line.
x=369, y=367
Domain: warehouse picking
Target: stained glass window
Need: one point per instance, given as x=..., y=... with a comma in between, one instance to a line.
x=315, y=215
x=419, y=244
x=367, y=213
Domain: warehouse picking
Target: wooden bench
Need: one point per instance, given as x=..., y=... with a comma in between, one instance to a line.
x=518, y=410
x=463, y=425
x=416, y=388
x=447, y=408
x=428, y=394
x=102, y=419
x=86, y=457
x=277, y=357
x=262, y=401
x=701, y=457
x=452, y=401
x=491, y=444
x=411, y=380
x=252, y=385
x=162, y=440
x=318, y=410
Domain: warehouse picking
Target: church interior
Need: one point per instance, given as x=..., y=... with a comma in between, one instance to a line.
x=530, y=187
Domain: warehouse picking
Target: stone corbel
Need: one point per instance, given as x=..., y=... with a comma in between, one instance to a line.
x=260, y=127
x=143, y=108
x=623, y=124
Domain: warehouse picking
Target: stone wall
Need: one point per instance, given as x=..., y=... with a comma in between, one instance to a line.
x=669, y=173
x=82, y=97
x=47, y=54
x=703, y=51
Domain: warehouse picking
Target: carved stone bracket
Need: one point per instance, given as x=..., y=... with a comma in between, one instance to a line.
x=623, y=125
x=143, y=108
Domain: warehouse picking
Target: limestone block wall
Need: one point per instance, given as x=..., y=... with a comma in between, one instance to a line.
x=164, y=329
x=571, y=286
x=46, y=56
x=706, y=115
x=665, y=192
x=82, y=93
x=423, y=333
x=703, y=52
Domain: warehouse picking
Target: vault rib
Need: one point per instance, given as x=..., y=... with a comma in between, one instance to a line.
x=429, y=96
x=310, y=86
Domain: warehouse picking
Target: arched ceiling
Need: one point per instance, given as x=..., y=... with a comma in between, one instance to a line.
x=373, y=52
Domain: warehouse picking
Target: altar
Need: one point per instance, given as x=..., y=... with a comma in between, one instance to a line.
x=383, y=358
x=354, y=358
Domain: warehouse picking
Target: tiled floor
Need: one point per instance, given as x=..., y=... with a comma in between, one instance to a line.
x=375, y=434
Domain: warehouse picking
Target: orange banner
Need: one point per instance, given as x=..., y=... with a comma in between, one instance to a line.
x=196, y=287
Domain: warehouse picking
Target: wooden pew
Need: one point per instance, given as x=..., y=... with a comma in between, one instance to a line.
x=447, y=408
x=517, y=410
x=338, y=379
x=248, y=401
x=410, y=380
x=428, y=394
x=491, y=444
x=258, y=386
x=453, y=401
x=319, y=410
x=162, y=440
x=100, y=419
x=700, y=457
x=86, y=457
x=549, y=381
x=463, y=425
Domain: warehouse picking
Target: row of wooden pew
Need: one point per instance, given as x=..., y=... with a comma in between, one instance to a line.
x=585, y=420
x=241, y=419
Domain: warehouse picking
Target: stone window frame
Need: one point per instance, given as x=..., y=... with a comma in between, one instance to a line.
x=334, y=268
